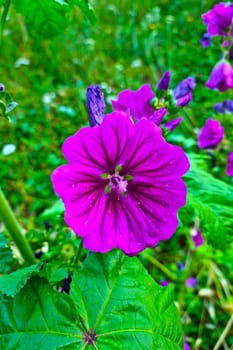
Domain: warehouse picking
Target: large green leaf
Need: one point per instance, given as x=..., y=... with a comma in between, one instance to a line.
x=124, y=306
x=113, y=303
x=12, y=283
x=44, y=17
x=38, y=318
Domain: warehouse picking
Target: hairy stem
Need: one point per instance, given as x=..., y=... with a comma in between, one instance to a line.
x=160, y=266
x=6, y=7
x=14, y=229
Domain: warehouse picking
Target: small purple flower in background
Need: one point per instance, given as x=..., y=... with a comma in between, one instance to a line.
x=172, y=124
x=221, y=77
x=229, y=169
x=186, y=345
x=228, y=106
x=95, y=105
x=164, y=82
x=205, y=40
x=224, y=107
x=180, y=266
x=219, y=19
x=219, y=107
x=122, y=185
x=164, y=283
x=137, y=104
x=183, y=91
x=191, y=282
x=197, y=237
x=211, y=134
x=2, y=87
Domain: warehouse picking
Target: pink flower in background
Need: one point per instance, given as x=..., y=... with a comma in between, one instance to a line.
x=191, y=282
x=221, y=77
x=211, y=134
x=137, y=104
x=229, y=169
x=122, y=185
x=219, y=19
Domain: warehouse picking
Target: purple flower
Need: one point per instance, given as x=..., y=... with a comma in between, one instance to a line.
x=164, y=283
x=228, y=105
x=137, y=104
x=219, y=107
x=197, y=237
x=221, y=77
x=122, y=185
x=184, y=88
x=206, y=40
x=191, y=282
x=164, y=82
x=186, y=346
x=229, y=169
x=211, y=134
x=172, y=124
x=219, y=19
x=95, y=105
x=183, y=91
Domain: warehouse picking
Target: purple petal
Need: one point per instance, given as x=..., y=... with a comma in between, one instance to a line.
x=221, y=77
x=197, y=237
x=184, y=88
x=191, y=282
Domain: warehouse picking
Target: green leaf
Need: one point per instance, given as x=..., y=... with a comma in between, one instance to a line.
x=211, y=225
x=12, y=283
x=44, y=17
x=39, y=317
x=215, y=195
x=6, y=257
x=124, y=306
x=11, y=106
x=86, y=8
x=56, y=209
x=113, y=301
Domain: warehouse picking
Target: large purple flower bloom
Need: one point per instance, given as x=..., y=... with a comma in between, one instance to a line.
x=229, y=169
x=221, y=77
x=122, y=185
x=211, y=134
x=219, y=19
x=138, y=104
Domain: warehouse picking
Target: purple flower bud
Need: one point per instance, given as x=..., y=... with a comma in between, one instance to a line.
x=164, y=82
x=221, y=77
x=172, y=124
x=197, y=237
x=219, y=107
x=211, y=134
x=184, y=88
x=164, y=283
x=229, y=169
x=206, y=40
x=95, y=105
x=2, y=87
x=191, y=282
x=228, y=106
x=183, y=101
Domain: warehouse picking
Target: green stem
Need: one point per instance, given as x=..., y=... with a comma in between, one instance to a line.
x=14, y=229
x=6, y=7
x=160, y=266
x=78, y=255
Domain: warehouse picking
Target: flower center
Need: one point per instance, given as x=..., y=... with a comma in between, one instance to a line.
x=117, y=182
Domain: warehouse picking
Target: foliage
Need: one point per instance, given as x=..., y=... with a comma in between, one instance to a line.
x=129, y=308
